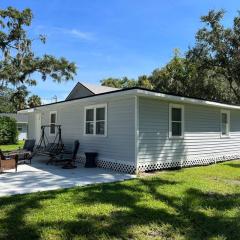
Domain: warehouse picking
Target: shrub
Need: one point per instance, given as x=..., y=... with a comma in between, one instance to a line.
x=8, y=130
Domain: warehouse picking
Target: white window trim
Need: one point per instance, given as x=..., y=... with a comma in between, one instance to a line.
x=170, y=120
x=94, y=107
x=228, y=125
x=50, y=113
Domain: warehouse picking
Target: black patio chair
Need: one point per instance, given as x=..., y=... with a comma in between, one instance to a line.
x=68, y=156
x=29, y=145
x=28, y=148
x=25, y=154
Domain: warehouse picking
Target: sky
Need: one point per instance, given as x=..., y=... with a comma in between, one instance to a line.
x=114, y=38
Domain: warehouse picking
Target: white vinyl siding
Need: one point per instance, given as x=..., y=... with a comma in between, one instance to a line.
x=117, y=146
x=202, y=130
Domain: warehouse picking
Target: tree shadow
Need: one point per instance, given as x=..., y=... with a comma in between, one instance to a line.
x=139, y=203
x=13, y=225
x=234, y=165
x=189, y=218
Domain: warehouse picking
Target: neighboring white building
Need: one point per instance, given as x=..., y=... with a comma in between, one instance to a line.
x=22, y=124
x=137, y=129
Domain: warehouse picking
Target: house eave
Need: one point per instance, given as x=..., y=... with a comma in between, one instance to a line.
x=28, y=110
x=137, y=92
x=92, y=98
x=179, y=99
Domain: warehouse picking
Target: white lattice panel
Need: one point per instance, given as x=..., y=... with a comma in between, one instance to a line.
x=119, y=167
x=191, y=161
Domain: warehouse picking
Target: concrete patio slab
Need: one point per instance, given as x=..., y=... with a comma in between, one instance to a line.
x=42, y=177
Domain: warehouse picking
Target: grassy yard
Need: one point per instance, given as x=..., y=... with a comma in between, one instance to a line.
x=12, y=147
x=194, y=203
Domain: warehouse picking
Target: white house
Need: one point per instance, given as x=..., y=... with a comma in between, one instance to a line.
x=137, y=129
x=22, y=124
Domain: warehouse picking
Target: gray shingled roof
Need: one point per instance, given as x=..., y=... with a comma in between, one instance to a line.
x=99, y=89
x=20, y=117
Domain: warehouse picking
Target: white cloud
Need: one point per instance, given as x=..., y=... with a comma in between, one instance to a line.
x=59, y=30
x=80, y=34
x=74, y=32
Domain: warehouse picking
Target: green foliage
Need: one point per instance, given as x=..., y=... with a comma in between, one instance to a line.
x=13, y=100
x=119, y=82
x=217, y=51
x=6, y=106
x=8, y=130
x=34, y=101
x=192, y=203
x=172, y=78
x=18, y=98
x=209, y=70
x=180, y=76
x=18, y=61
x=12, y=147
x=144, y=82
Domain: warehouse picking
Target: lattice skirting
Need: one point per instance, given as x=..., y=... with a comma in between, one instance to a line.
x=142, y=167
x=190, y=161
x=119, y=167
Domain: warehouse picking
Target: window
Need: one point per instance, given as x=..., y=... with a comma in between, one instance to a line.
x=225, y=123
x=100, y=120
x=95, y=120
x=53, y=121
x=89, y=121
x=176, y=126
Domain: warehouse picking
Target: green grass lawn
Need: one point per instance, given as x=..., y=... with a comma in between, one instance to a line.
x=12, y=147
x=191, y=203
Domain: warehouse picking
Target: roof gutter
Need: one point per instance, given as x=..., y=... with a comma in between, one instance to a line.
x=137, y=92
x=166, y=97
x=117, y=93
x=29, y=110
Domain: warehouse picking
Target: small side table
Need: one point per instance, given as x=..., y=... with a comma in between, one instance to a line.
x=90, y=159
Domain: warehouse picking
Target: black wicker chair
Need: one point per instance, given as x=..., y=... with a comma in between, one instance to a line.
x=8, y=162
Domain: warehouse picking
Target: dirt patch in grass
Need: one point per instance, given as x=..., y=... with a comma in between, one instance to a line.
x=235, y=182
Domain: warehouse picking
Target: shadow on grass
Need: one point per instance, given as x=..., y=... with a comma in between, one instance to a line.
x=235, y=165
x=13, y=226
x=190, y=216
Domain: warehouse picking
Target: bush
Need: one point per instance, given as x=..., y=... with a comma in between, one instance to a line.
x=8, y=130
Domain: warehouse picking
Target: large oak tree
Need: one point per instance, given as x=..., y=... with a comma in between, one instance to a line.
x=217, y=51
x=18, y=61
x=209, y=70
